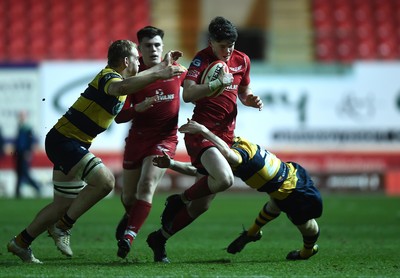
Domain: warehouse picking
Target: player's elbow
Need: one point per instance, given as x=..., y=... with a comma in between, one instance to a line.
x=118, y=120
x=186, y=98
x=117, y=89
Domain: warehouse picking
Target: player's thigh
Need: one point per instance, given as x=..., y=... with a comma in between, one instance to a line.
x=130, y=181
x=149, y=179
x=66, y=186
x=216, y=164
x=96, y=174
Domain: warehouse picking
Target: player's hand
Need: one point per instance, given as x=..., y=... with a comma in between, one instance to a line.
x=172, y=56
x=162, y=161
x=191, y=127
x=226, y=78
x=254, y=101
x=171, y=71
x=146, y=104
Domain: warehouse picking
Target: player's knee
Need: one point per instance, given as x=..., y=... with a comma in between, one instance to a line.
x=309, y=228
x=108, y=183
x=146, y=189
x=225, y=181
x=102, y=178
x=127, y=200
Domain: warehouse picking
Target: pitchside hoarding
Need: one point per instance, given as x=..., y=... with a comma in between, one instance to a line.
x=344, y=128
x=359, y=110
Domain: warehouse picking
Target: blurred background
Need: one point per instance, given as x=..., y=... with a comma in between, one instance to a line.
x=327, y=71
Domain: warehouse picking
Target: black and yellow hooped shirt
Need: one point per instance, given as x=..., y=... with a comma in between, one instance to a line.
x=262, y=170
x=94, y=110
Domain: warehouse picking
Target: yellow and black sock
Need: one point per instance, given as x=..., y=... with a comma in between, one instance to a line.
x=308, y=244
x=262, y=219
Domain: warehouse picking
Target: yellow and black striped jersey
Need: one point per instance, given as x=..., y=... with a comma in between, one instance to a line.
x=262, y=170
x=94, y=110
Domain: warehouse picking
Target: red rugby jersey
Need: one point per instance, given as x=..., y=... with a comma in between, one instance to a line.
x=163, y=116
x=219, y=113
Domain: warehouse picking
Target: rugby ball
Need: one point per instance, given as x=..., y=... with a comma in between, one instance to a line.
x=211, y=73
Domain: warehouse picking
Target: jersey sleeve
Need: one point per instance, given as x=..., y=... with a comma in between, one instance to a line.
x=246, y=76
x=106, y=80
x=197, y=66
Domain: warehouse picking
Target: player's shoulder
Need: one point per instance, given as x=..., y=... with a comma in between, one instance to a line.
x=109, y=73
x=105, y=75
x=239, y=58
x=203, y=58
x=240, y=54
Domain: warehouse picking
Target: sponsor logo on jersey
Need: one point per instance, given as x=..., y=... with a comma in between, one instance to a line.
x=232, y=87
x=161, y=96
x=235, y=69
x=196, y=62
x=193, y=73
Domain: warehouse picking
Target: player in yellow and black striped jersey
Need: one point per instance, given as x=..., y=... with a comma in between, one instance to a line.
x=94, y=110
x=80, y=178
x=288, y=184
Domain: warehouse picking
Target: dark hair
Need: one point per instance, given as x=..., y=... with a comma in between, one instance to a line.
x=221, y=29
x=149, y=32
x=118, y=50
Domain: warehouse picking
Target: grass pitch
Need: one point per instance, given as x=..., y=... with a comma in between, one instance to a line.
x=360, y=237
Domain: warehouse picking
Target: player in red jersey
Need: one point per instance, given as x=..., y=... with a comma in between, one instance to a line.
x=153, y=112
x=218, y=114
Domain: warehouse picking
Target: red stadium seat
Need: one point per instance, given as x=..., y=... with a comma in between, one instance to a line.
x=346, y=50
x=367, y=49
x=325, y=49
x=59, y=48
x=18, y=49
x=385, y=29
x=363, y=13
x=388, y=49
x=365, y=30
x=37, y=49
x=79, y=49
x=99, y=48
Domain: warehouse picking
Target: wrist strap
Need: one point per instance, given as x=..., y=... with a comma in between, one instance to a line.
x=214, y=85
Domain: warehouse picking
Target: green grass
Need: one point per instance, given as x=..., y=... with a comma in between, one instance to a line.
x=360, y=237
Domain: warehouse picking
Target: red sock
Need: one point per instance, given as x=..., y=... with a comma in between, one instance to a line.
x=198, y=190
x=181, y=220
x=137, y=215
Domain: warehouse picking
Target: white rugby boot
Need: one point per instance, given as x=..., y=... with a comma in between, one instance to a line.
x=25, y=254
x=61, y=239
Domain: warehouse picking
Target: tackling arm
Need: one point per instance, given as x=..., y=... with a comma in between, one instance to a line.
x=133, y=84
x=165, y=161
x=193, y=127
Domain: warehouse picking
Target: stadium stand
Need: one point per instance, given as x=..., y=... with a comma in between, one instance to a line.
x=351, y=30
x=301, y=31
x=56, y=30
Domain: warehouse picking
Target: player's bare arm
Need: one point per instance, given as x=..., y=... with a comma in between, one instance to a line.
x=247, y=98
x=133, y=84
x=193, y=91
x=145, y=104
x=166, y=161
x=169, y=58
x=193, y=127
